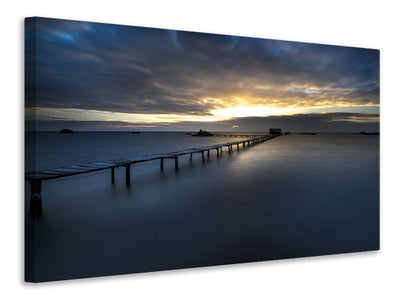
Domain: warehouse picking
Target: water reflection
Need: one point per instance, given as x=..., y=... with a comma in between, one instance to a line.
x=292, y=196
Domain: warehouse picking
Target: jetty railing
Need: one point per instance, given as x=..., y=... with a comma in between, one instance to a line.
x=37, y=177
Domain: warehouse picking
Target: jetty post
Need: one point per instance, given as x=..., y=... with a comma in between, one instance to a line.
x=128, y=174
x=162, y=163
x=176, y=162
x=112, y=174
x=36, y=198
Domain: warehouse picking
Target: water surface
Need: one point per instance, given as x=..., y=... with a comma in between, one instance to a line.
x=295, y=195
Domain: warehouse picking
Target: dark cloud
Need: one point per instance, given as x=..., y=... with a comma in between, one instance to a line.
x=131, y=69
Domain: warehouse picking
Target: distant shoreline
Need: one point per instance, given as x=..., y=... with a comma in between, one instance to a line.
x=186, y=131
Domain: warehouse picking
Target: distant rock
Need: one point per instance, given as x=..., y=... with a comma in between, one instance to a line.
x=66, y=131
x=202, y=133
x=135, y=132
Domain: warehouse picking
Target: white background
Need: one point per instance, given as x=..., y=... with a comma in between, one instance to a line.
x=372, y=24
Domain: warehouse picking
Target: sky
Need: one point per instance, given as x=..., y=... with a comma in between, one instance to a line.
x=93, y=76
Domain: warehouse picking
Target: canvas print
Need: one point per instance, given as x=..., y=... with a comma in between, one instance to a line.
x=151, y=149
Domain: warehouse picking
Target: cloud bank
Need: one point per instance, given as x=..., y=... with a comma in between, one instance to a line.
x=144, y=71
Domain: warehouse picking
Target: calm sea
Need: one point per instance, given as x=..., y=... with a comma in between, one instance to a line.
x=296, y=195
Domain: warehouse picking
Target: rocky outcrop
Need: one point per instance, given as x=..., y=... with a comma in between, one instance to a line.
x=66, y=131
x=202, y=133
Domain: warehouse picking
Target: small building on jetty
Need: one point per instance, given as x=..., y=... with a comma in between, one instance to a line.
x=275, y=131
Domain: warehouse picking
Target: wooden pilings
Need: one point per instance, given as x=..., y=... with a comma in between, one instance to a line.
x=128, y=174
x=162, y=163
x=176, y=162
x=36, y=198
x=113, y=174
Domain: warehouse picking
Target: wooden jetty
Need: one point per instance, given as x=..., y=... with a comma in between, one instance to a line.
x=36, y=178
